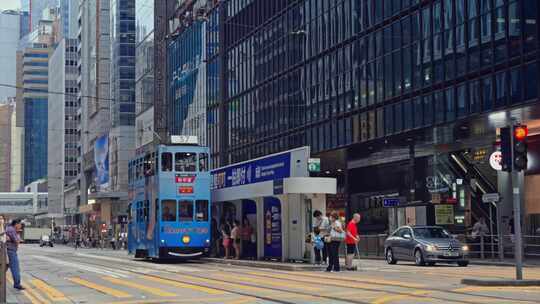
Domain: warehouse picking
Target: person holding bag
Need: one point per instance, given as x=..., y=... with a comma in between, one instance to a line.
x=337, y=235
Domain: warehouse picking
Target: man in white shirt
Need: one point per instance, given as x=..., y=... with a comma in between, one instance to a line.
x=323, y=224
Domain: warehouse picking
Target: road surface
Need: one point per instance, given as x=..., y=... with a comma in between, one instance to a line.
x=65, y=275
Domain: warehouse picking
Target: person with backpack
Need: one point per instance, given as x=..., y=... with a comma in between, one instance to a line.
x=318, y=245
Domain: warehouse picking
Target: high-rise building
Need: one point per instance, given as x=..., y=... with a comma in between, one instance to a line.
x=15, y=170
x=68, y=11
x=94, y=97
x=9, y=40
x=6, y=115
x=62, y=127
x=24, y=24
x=396, y=98
x=32, y=98
x=36, y=9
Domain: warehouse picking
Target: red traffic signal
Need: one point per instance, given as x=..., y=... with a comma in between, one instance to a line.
x=521, y=132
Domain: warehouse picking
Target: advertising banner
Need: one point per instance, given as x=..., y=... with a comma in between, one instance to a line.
x=272, y=228
x=260, y=170
x=101, y=159
x=444, y=215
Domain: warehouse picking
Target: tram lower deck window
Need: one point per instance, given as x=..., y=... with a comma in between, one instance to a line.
x=201, y=207
x=168, y=211
x=186, y=211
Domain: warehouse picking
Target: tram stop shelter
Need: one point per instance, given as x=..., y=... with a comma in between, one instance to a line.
x=277, y=196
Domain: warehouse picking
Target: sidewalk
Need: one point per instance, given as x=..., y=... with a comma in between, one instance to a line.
x=483, y=262
x=267, y=264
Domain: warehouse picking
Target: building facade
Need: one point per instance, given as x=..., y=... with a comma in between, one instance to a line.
x=397, y=98
x=36, y=8
x=6, y=115
x=62, y=127
x=9, y=31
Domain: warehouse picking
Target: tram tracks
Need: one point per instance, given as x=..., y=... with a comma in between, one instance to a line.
x=253, y=289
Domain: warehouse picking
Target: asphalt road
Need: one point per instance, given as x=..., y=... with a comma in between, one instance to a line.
x=64, y=275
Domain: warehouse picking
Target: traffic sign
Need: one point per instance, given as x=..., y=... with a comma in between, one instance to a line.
x=314, y=165
x=391, y=202
x=490, y=197
x=495, y=160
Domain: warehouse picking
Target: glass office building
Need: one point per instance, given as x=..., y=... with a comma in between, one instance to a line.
x=398, y=98
x=122, y=62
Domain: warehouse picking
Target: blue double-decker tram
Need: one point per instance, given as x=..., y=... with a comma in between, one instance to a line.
x=169, y=210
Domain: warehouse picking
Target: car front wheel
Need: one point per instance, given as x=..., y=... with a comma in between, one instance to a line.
x=390, y=259
x=463, y=263
x=419, y=258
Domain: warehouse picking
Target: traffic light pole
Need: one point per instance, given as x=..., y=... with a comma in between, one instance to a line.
x=517, y=226
x=518, y=255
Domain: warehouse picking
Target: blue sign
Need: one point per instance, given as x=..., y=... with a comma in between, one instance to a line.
x=256, y=171
x=391, y=202
x=272, y=227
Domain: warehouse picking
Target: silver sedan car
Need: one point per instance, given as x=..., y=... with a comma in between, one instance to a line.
x=425, y=245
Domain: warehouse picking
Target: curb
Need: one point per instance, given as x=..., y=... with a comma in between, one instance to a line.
x=495, y=283
x=268, y=265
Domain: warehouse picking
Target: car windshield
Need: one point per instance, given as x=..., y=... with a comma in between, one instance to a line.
x=431, y=233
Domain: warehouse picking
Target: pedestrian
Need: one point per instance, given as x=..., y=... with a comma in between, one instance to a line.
x=214, y=228
x=247, y=233
x=323, y=224
x=236, y=236
x=318, y=245
x=226, y=238
x=12, y=244
x=336, y=236
x=351, y=240
x=113, y=243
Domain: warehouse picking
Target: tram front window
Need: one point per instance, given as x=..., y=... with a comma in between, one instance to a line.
x=186, y=211
x=202, y=210
x=185, y=162
x=168, y=211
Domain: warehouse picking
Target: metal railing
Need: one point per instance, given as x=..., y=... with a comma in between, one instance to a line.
x=486, y=247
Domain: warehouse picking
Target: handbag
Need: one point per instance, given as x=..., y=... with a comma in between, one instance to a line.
x=337, y=236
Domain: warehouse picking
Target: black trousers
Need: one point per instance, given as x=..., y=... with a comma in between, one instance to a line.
x=333, y=256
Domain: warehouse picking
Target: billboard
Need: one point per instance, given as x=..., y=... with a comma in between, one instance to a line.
x=101, y=159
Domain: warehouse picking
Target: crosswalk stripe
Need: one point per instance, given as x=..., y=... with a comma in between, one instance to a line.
x=101, y=288
x=267, y=281
x=36, y=295
x=182, y=285
x=225, y=284
x=152, y=290
x=30, y=294
x=51, y=292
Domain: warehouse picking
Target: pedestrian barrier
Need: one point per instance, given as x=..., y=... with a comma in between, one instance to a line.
x=486, y=247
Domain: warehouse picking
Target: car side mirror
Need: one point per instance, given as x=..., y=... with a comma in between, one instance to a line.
x=407, y=236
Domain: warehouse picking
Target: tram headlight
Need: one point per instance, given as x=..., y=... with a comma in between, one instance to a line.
x=186, y=239
x=207, y=241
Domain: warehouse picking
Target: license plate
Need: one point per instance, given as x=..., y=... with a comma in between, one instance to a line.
x=451, y=254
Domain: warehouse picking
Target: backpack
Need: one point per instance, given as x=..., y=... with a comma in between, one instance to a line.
x=318, y=242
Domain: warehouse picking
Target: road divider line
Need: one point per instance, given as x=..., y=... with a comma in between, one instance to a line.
x=51, y=292
x=387, y=299
x=183, y=285
x=103, y=289
x=152, y=290
x=267, y=281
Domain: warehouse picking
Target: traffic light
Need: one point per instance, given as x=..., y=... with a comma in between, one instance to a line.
x=520, y=147
x=506, y=149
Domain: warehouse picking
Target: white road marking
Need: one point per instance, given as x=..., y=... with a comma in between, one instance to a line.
x=115, y=274
x=173, y=268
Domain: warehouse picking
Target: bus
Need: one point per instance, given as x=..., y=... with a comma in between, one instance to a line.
x=169, y=203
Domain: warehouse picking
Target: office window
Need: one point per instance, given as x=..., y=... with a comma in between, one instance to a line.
x=450, y=105
x=428, y=109
x=500, y=89
x=487, y=93
x=439, y=102
x=462, y=101
x=515, y=86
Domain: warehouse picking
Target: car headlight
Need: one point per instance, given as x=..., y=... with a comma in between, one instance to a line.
x=465, y=248
x=431, y=248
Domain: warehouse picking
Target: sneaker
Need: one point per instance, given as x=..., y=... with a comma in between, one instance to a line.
x=19, y=287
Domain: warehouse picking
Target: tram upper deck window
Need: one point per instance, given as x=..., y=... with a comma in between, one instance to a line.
x=185, y=162
x=201, y=207
x=168, y=211
x=186, y=211
x=148, y=165
x=166, y=162
x=203, y=162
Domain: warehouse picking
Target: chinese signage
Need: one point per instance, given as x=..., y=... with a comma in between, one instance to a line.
x=256, y=171
x=444, y=215
x=272, y=227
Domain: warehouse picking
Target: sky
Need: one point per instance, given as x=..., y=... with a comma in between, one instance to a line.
x=9, y=4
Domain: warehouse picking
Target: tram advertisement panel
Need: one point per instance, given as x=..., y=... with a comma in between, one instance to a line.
x=272, y=228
